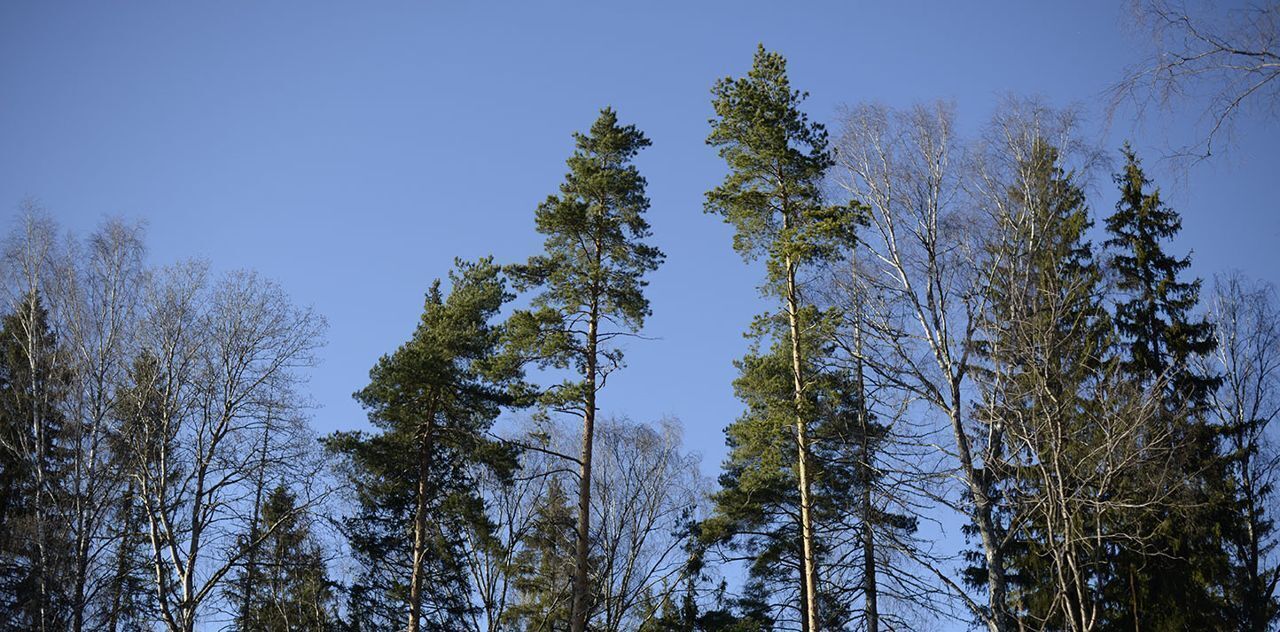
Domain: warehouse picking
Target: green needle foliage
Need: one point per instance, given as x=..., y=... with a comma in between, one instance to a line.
x=1048, y=339
x=291, y=587
x=34, y=462
x=772, y=197
x=591, y=291
x=434, y=399
x=592, y=271
x=777, y=159
x=1181, y=585
x=543, y=569
x=1156, y=316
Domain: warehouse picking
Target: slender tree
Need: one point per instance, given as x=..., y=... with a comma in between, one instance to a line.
x=591, y=282
x=1246, y=322
x=543, y=568
x=757, y=517
x=772, y=197
x=1072, y=438
x=35, y=462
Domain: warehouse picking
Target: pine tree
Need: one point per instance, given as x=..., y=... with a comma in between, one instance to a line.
x=1179, y=586
x=291, y=590
x=434, y=399
x=772, y=196
x=759, y=494
x=591, y=278
x=757, y=508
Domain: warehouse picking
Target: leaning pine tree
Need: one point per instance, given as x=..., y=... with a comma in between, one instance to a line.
x=772, y=196
x=591, y=278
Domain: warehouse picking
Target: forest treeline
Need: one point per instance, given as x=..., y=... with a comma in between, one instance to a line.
x=965, y=403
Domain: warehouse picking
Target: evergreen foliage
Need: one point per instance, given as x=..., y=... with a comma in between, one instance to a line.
x=34, y=462
x=434, y=400
x=772, y=197
x=1048, y=341
x=1180, y=582
x=288, y=588
x=590, y=283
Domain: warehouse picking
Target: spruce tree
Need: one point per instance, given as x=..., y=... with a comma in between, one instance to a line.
x=434, y=399
x=291, y=590
x=543, y=569
x=772, y=197
x=1155, y=313
x=1179, y=583
x=591, y=292
x=33, y=464
x=1046, y=339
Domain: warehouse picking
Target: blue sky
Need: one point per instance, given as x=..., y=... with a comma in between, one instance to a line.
x=352, y=150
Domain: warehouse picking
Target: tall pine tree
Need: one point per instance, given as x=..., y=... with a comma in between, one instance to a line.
x=772, y=197
x=591, y=282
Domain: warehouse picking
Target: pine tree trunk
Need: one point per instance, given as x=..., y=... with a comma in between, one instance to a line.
x=802, y=446
x=425, y=454
x=581, y=579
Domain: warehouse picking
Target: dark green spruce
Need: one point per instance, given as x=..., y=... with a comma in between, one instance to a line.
x=1179, y=583
x=288, y=588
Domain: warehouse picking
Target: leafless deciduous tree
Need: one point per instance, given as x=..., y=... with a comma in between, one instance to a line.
x=1226, y=58
x=1247, y=324
x=219, y=388
x=647, y=492
x=96, y=305
x=925, y=271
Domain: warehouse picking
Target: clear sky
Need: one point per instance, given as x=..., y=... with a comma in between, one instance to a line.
x=352, y=150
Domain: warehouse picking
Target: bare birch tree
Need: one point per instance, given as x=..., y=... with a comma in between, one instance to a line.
x=96, y=304
x=927, y=271
x=650, y=491
x=1247, y=327
x=226, y=357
